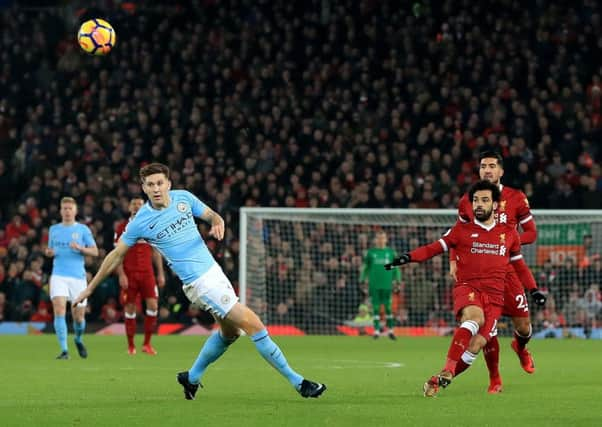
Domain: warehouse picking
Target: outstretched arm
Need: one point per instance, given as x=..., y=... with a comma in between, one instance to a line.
x=110, y=263
x=216, y=221
x=420, y=254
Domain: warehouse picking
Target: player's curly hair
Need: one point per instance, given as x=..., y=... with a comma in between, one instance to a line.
x=153, y=168
x=485, y=185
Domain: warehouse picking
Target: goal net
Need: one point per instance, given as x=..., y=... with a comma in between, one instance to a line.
x=300, y=270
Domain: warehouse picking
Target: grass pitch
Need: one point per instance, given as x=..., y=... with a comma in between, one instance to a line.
x=370, y=383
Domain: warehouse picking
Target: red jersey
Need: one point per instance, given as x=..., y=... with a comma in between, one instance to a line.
x=139, y=258
x=513, y=209
x=483, y=254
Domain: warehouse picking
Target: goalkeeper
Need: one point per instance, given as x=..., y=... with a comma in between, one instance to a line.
x=380, y=281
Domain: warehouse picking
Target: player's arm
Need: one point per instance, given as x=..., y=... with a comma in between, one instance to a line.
x=123, y=278
x=524, y=274
x=420, y=254
x=526, y=221
x=49, y=251
x=216, y=221
x=89, y=247
x=426, y=252
x=158, y=262
x=464, y=209
x=110, y=263
x=85, y=250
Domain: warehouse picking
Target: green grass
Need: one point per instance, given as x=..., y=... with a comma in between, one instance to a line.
x=370, y=383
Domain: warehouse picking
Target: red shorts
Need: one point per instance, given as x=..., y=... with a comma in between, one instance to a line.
x=465, y=295
x=143, y=283
x=515, y=300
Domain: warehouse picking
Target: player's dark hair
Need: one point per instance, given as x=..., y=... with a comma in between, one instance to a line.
x=485, y=185
x=490, y=154
x=153, y=168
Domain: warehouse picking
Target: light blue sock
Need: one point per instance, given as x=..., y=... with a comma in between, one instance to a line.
x=272, y=353
x=79, y=329
x=60, y=328
x=213, y=348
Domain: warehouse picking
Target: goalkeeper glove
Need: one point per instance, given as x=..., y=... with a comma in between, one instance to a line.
x=400, y=260
x=539, y=297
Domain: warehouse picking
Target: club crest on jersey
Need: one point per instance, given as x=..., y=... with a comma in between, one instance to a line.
x=471, y=296
x=182, y=207
x=75, y=236
x=502, y=206
x=502, y=238
x=526, y=202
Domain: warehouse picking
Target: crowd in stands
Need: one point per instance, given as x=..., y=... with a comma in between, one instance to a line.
x=359, y=104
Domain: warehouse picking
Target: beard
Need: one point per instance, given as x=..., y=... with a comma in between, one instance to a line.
x=482, y=215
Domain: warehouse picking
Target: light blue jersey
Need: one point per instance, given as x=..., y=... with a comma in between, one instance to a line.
x=174, y=233
x=69, y=262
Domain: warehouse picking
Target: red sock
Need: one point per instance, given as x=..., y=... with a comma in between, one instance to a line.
x=521, y=341
x=458, y=345
x=461, y=367
x=130, y=330
x=491, y=351
x=150, y=322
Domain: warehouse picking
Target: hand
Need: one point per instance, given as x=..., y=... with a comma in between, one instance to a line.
x=49, y=252
x=76, y=246
x=123, y=281
x=453, y=268
x=82, y=296
x=217, y=230
x=401, y=260
x=538, y=297
x=161, y=280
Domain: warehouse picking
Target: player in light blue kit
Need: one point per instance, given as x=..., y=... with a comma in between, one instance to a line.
x=68, y=242
x=167, y=223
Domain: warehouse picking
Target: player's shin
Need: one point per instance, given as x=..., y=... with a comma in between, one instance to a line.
x=214, y=347
x=150, y=323
x=465, y=362
x=274, y=356
x=459, y=344
x=130, y=327
x=60, y=328
x=491, y=352
x=522, y=340
x=79, y=327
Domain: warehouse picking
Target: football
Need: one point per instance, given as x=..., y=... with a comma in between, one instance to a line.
x=96, y=37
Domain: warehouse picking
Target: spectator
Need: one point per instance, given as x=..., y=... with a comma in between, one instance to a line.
x=331, y=116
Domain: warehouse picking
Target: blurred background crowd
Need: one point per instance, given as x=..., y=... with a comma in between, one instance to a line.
x=359, y=104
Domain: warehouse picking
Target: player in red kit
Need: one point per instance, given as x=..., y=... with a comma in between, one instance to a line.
x=513, y=209
x=484, y=249
x=137, y=277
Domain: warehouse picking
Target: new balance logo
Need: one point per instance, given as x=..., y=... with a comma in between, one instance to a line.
x=474, y=235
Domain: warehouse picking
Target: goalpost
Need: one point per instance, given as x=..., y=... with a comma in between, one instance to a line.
x=300, y=269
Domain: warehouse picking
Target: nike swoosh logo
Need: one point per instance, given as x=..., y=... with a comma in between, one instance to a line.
x=152, y=226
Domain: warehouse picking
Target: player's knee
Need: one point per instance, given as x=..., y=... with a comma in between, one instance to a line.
x=473, y=316
x=476, y=344
x=151, y=304
x=252, y=322
x=522, y=325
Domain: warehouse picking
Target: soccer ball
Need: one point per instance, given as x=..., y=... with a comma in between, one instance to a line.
x=96, y=37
